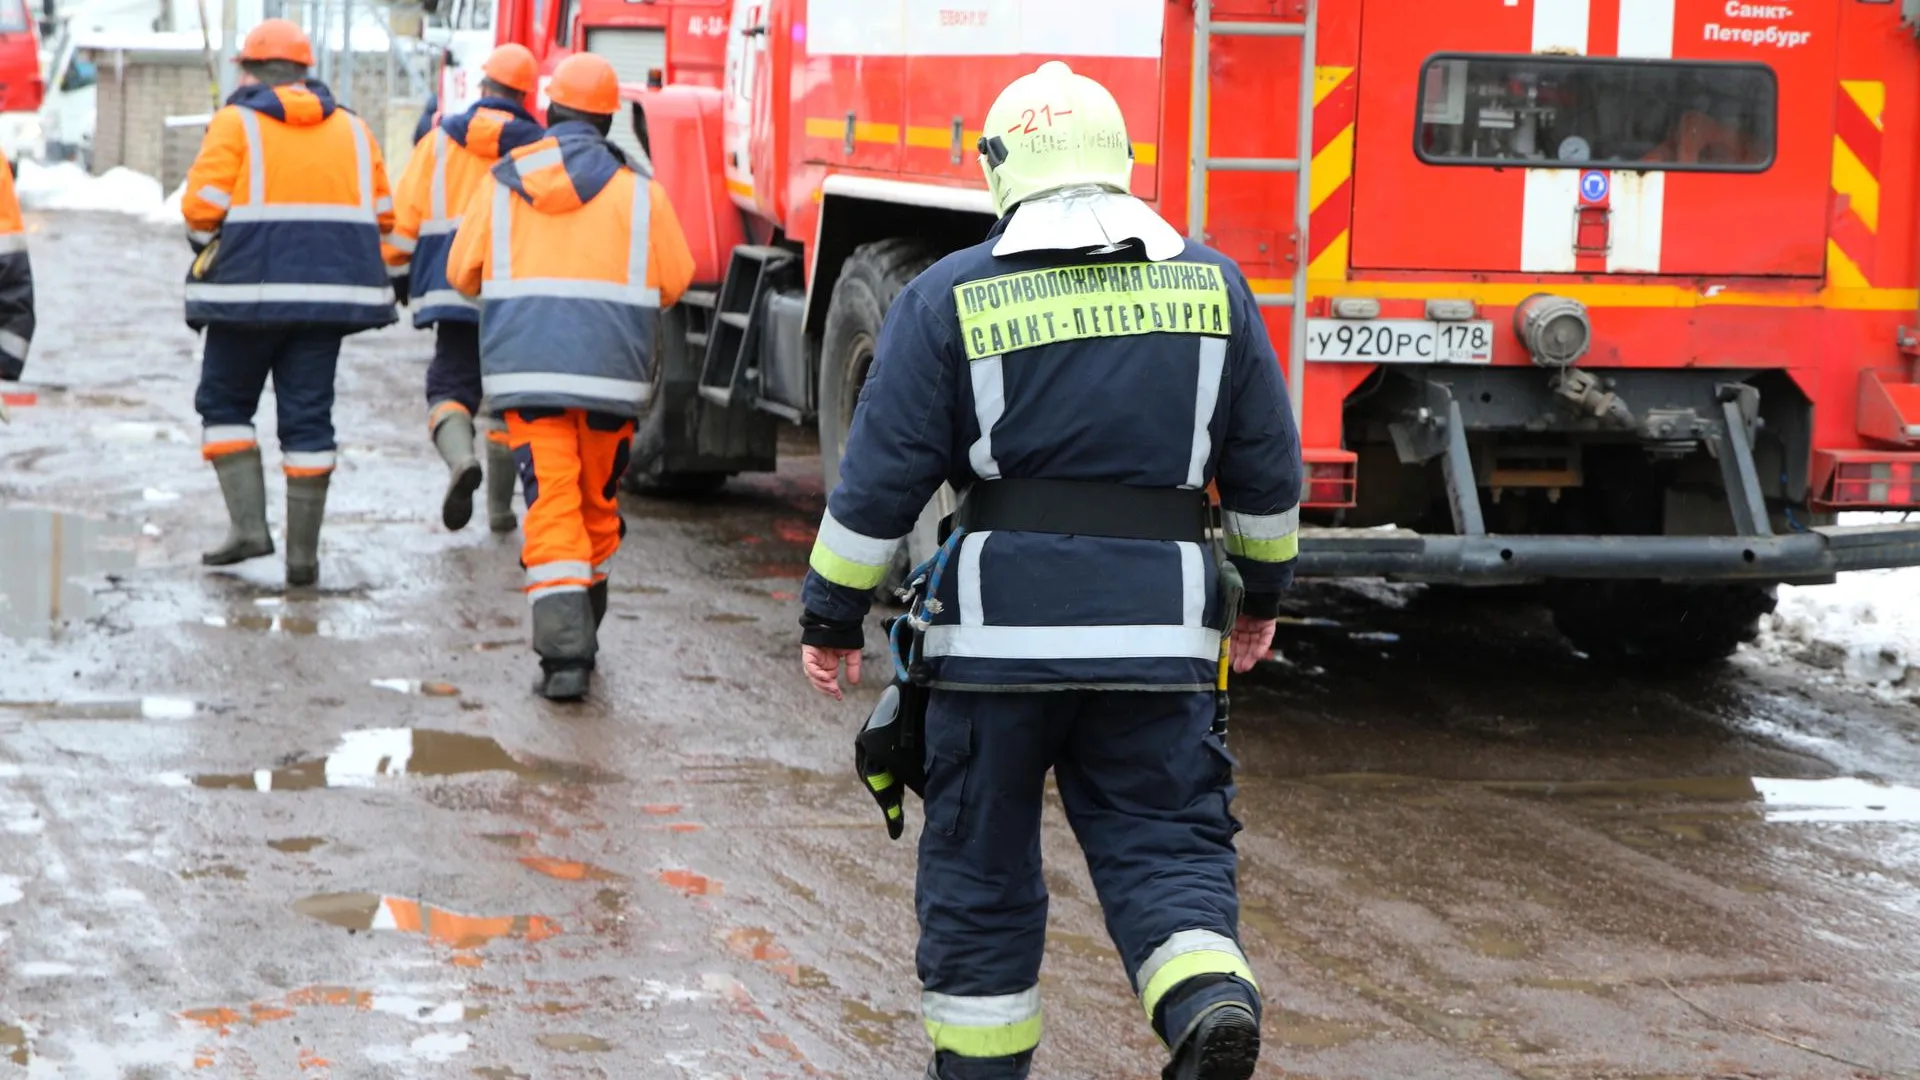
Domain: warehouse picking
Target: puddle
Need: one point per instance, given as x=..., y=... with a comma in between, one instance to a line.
x=568, y=870
x=218, y=870
x=145, y=708
x=296, y=845
x=295, y=625
x=575, y=1044
x=640, y=590
x=499, y=1072
x=870, y=1025
x=398, y=914
x=416, y=687
x=46, y=561
x=1842, y=799
x=754, y=943
x=13, y=1044
x=688, y=883
x=1303, y=1031
x=732, y=618
x=364, y=756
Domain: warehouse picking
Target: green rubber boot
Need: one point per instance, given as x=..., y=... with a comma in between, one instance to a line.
x=563, y=635
x=306, y=507
x=453, y=437
x=501, y=473
x=245, y=488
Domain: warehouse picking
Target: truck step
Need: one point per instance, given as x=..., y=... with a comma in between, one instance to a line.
x=704, y=298
x=734, y=319
x=697, y=339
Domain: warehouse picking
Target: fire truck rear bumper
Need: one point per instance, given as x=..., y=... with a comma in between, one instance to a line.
x=1806, y=557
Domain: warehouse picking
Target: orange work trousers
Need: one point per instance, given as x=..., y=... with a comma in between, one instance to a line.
x=570, y=462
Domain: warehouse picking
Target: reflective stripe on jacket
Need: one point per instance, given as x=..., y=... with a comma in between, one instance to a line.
x=446, y=167
x=295, y=190
x=1064, y=366
x=16, y=283
x=572, y=254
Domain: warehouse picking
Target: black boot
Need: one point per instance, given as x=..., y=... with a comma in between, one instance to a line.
x=306, y=509
x=563, y=636
x=245, y=489
x=453, y=437
x=1224, y=1044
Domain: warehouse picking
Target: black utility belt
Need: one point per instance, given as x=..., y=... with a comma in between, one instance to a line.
x=1085, y=508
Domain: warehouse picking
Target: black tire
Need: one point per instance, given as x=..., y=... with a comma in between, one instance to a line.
x=645, y=472
x=869, y=281
x=1656, y=625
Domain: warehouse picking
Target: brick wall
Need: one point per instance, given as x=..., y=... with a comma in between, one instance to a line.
x=138, y=94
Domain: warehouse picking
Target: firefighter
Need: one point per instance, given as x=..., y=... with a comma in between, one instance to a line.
x=446, y=167
x=286, y=206
x=1088, y=373
x=16, y=285
x=572, y=251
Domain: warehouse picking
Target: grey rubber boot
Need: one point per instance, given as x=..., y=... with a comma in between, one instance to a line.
x=563, y=636
x=501, y=473
x=306, y=507
x=245, y=488
x=453, y=437
x=597, y=598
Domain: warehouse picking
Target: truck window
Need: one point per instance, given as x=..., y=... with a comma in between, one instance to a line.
x=1549, y=112
x=13, y=16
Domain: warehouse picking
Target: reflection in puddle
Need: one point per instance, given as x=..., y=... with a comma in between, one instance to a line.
x=417, y=687
x=689, y=883
x=13, y=1044
x=297, y=845
x=146, y=708
x=296, y=625
x=1837, y=799
x=568, y=870
x=870, y=1025
x=45, y=557
x=366, y=755
x=398, y=914
x=575, y=1044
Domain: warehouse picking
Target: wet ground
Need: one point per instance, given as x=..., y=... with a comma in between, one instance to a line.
x=263, y=833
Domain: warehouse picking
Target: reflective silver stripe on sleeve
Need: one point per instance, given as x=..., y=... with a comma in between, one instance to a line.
x=587, y=386
x=363, y=161
x=1262, y=526
x=1193, y=584
x=1213, y=361
x=212, y=293
x=989, y=402
x=568, y=289
x=13, y=344
x=256, y=156
x=439, y=227
x=308, y=459
x=215, y=196
x=221, y=433
x=856, y=547
x=437, y=205
x=533, y=163
x=402, y=243
x=445, y=298
x=351, y=215
x=997, y=1010
x=556, y=571
x=639, y=238
x=200, y=236
x=972, y=611
x=1074, y=642
x=602, y=569
x=13, y=243
x=502, y=237
x=383, y=205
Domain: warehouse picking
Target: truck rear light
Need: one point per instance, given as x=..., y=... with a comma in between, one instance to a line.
x=1355, y=307
x=1865, y=480
x=1451, y=310
x=1332, y=479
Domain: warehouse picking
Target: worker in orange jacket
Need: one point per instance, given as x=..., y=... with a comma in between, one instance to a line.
x=446, y=166
x=572, y=251
x=16, y=285
x=286, y=206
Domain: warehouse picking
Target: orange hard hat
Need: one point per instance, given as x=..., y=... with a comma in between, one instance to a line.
x=512, y=65
x=278, y=39
x=585, y=83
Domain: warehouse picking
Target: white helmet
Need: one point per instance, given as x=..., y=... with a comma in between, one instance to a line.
x=1050, y=130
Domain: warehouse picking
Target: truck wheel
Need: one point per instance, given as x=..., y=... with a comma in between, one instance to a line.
x=1652, y=624
x=869, y=280
x=646, y=474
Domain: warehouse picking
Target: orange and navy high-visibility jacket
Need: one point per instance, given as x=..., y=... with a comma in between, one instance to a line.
x=446, y=166
x=292, y=188
x=16, y=283
x=572, y=254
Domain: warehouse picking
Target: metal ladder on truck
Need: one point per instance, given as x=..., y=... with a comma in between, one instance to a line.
x=1200, y=165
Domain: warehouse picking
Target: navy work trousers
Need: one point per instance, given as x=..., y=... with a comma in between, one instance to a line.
x=454, y=374
x=1147, y=788
x=302, y=360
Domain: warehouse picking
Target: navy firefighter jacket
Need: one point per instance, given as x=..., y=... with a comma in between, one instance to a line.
x=1060, y=365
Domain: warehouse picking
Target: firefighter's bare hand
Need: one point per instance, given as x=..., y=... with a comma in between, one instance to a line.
x=1252, y=641
x=822, y=666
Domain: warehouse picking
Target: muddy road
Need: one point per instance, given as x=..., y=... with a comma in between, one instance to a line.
x=330, y=833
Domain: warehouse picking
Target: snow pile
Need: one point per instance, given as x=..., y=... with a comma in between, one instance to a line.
x=66, y=186
x=1865, y=628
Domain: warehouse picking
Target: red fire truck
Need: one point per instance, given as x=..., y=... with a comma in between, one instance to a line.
x=1616, y=297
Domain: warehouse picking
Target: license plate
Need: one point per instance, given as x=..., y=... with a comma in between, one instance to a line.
x=1400, y=341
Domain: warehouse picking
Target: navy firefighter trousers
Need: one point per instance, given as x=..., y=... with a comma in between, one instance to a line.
x=1147, y=788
